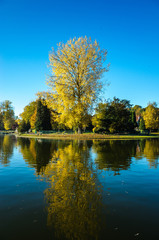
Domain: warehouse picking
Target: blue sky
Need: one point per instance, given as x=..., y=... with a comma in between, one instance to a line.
x=128, y=29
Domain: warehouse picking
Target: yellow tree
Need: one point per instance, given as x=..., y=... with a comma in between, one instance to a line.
x=77, y=69
x=151, y=117
x=8, y=114
x=28, y=111
x=8, y=124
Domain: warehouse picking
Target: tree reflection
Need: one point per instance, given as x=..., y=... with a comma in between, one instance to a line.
x=6, y=149
x=117, y=155
x=151, y=152
x=74, y=196
x=111, y=155
x=36, y=152
x=114, y=155
x=140, y=149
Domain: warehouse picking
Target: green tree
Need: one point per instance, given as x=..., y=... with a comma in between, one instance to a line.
x=113, y=116
x=142, y=124
x=43, y=121
x=133, y=118
x=77, y=69
x=24, y=126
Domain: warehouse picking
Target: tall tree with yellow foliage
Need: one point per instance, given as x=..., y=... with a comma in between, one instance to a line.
x=77, y=69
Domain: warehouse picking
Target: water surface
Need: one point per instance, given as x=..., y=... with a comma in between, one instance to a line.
x=73, y=189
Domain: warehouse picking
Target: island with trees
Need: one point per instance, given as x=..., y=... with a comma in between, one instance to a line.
x=74, y=103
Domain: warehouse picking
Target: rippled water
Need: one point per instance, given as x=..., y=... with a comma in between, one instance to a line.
x=73, y=189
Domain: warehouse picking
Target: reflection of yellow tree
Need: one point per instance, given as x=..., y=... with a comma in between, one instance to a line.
x=74, y=197
x=6, y=149
x=27, y=147
x=151, y=152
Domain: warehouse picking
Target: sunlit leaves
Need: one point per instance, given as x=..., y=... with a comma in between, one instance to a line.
x=151, y=117
x=77, y=69
x=7, y=118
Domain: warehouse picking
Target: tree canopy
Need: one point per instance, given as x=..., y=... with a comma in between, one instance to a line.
x=29, y=111
x=151, y=116
x=113, y=116
x=42, y=120
x=77, y=69
x=7, y=117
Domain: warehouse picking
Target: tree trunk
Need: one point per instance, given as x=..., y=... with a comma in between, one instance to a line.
x=79, y=130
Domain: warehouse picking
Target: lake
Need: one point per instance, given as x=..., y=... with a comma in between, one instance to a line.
x=75, y=189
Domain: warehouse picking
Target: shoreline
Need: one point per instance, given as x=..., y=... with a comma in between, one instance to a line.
x=87, y=136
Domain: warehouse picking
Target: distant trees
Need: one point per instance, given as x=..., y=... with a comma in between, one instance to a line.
x=114, y=116
x=151, y=116
x=77, y=69
x=7, y=117
x=119, y=116
x=36, y=115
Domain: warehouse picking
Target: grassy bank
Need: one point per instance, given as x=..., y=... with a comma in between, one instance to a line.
x=88, y=136
x=6, y=131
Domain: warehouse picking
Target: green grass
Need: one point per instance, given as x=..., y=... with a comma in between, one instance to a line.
x=87, y=136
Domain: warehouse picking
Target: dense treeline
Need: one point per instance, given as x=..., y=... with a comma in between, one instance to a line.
x=119, y=116
x=112, y=116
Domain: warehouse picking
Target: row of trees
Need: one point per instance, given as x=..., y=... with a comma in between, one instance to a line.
x=112, y=116
x=119, y=116
x=7, y=116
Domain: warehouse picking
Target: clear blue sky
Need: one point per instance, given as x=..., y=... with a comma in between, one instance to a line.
x=128, y=29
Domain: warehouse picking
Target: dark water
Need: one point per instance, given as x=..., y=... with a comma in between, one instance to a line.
x=56, y=189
